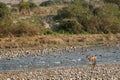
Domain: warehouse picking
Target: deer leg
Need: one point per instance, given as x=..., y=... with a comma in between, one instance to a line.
x=94, y=64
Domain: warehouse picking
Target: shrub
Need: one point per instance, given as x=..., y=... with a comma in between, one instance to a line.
x=56, y=2
x=20, y=29
x=62, y=32
x=70, y=26
x=24, y=5
x=99, y=18
x=32, y=5
x=64, y=13
x=47, y=3
x=3, y=10
x=25, y=28
x=47, y=32
x=5, y=27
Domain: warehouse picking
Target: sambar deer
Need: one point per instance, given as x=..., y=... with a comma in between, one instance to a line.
x=92, y=60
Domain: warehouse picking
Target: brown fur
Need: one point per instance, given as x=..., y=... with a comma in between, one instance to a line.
x=92, y=59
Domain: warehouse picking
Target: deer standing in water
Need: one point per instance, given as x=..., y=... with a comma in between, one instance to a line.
x=92, y=60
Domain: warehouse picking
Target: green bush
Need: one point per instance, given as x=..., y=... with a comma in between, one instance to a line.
x=112, y=1
x=25, y=28
x=20, y=29
x=26, y=5
x=62, y=32
x=47, y=3
x=48, y=32
x=70, y=26
x=4, y=12
x=6, y=27
x=32, y=5
x=56, y=2
x=64, y=13
x=99, y=18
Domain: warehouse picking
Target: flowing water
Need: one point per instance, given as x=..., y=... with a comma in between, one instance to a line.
x=105, y=55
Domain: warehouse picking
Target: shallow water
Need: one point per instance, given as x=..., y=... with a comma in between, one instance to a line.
x=105, y=55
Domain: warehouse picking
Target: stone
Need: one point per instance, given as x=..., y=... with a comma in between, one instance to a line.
x=8, y=79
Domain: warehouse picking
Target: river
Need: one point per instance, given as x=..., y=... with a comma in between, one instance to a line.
x=105, y=55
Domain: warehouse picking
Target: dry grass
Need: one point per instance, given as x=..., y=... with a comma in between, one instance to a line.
x=57, y=40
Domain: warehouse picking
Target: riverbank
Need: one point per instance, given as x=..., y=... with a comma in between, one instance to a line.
x=34, y=52
x=13, y=47
x=100, y=72
x=49, y=45
x=57, y=40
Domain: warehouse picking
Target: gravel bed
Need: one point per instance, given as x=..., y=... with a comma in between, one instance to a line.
x=9, y=54
x=100, y=72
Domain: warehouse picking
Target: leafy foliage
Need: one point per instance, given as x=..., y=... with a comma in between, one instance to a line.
x=47, y=3
x=3, y=10
x=70, y=26
x=47, y=32
x=99, y=18
x=5, y=19
x=27, y=29
x=32, y=5
x=56, y=2
x=26, y=5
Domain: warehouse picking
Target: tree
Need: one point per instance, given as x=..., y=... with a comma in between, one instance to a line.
x=5, y=19
x=94, y=18
x=25, y=7
x=3, y=10
x=113, y=1
x=70, y=26
x=32, y=5
x=47, y=3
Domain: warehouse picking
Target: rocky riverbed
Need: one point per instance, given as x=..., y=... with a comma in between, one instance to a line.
x=100, y=72
x=17, y=53
x=68, y=63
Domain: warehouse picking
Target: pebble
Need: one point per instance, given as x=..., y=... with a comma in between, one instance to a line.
x=100, y=72
x=4, y=54
x=8, y=79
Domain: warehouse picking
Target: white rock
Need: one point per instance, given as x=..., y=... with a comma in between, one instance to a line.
x=8, y=79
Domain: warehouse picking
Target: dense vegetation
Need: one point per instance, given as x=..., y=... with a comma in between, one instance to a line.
x=3, y=10
x=9, y=24
x=56, y=2
x=78, y=17
x=95, y=17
